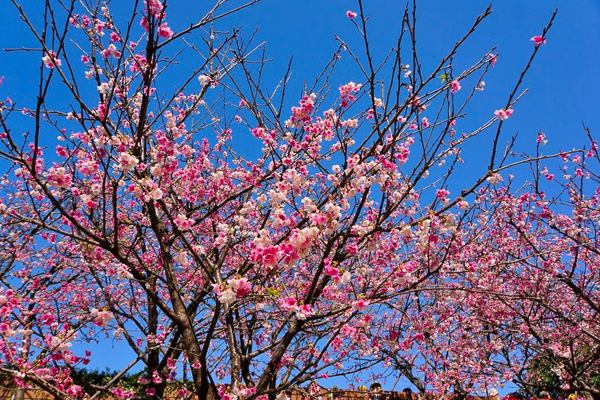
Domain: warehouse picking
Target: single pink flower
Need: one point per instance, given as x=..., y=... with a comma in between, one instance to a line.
x=537, y=40
x=289, y=304
x=351, y=14
x=331, y=271
x=455, y=86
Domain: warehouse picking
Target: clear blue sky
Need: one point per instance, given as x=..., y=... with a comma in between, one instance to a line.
x=564, y=81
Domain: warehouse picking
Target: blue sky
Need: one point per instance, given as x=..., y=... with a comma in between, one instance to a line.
x=564, y=82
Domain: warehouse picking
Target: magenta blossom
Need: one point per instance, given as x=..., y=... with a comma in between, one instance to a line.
x=537, y=40
x=455, y=86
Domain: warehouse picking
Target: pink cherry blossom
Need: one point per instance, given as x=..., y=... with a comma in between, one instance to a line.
x=127, y=161
x=240, y=286
x=538, y=40
x=455, y=86
x=503, y=114
x=289, y=304
x=227, y=297
x=360, y=305
x=165, y=31
x=347, y=93
x=50, y=60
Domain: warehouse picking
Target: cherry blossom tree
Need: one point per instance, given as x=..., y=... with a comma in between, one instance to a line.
x=519, y=300
x=236, y=235
x=549, y=275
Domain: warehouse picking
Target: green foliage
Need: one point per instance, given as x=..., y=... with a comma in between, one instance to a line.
x=543, y=378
